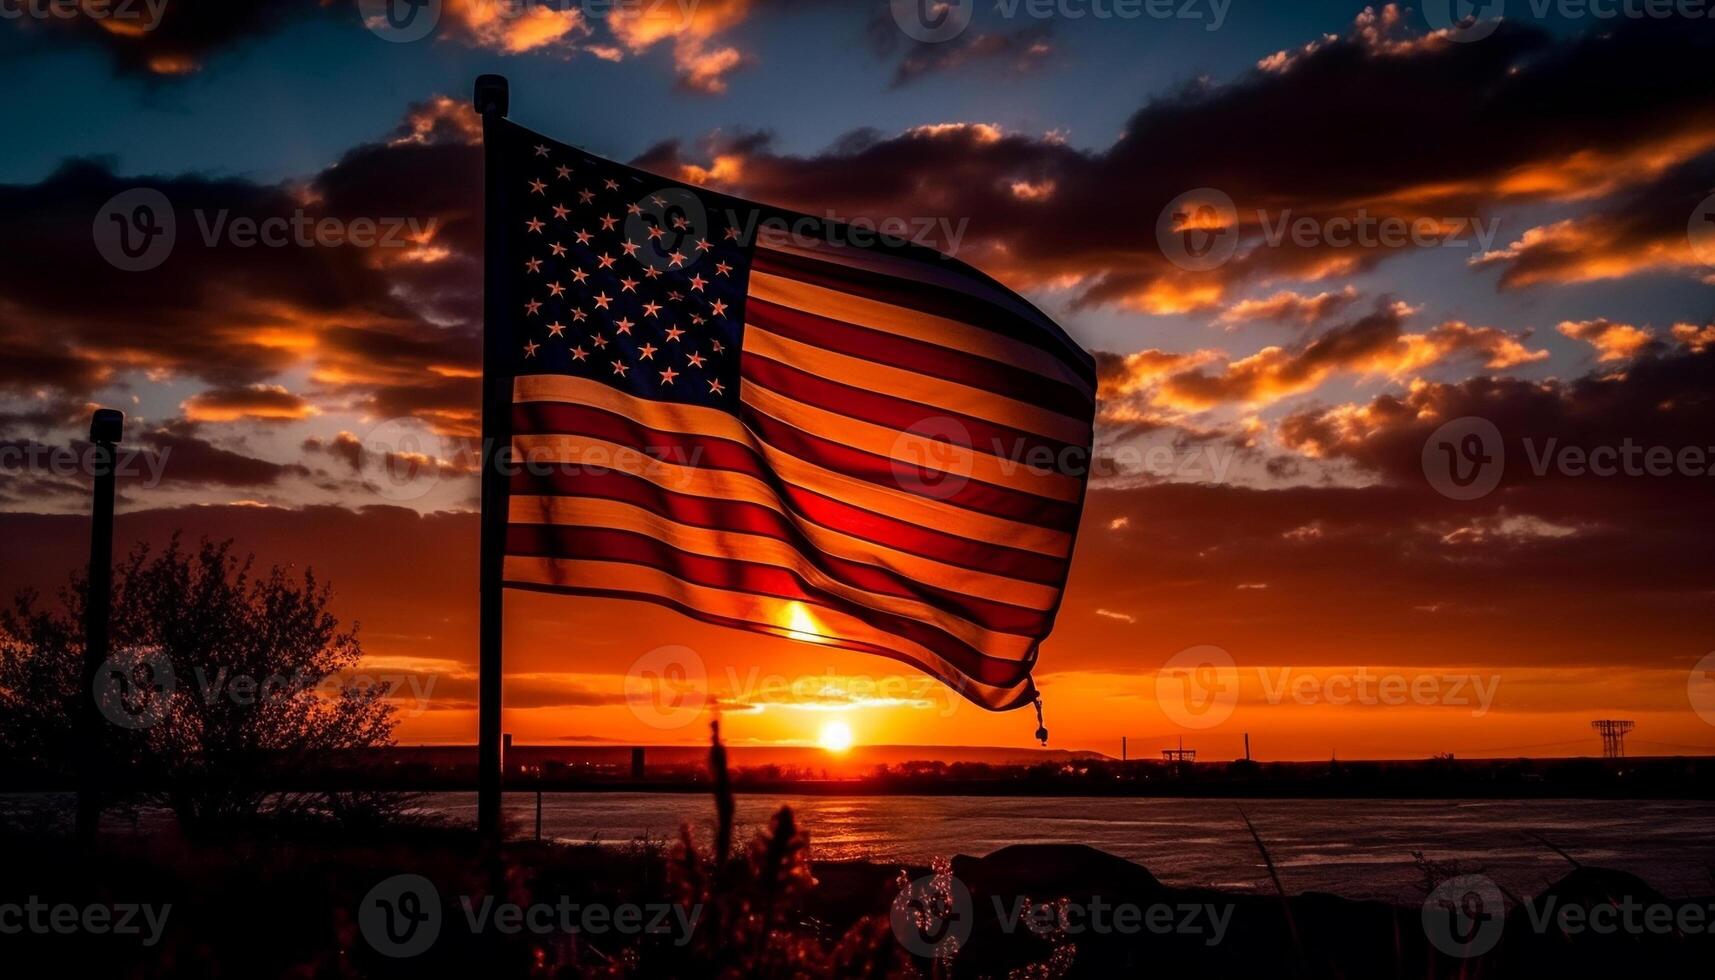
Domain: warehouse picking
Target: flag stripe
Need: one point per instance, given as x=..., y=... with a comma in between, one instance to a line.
x=896, y=457
x=605, y=545
x=949, y=334
x=916, y=387
x=747, y=611
x=897, y=413
x=558, y=461
x=785, y=468
x=1029, y=387
x=995, y=602
x=847, y=581
x=940, y=291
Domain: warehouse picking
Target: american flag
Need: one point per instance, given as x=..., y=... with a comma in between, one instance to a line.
x=776, y=422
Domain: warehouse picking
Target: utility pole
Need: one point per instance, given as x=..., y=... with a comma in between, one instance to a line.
x=106, y=427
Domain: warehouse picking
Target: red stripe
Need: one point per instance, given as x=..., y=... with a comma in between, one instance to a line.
x=927, y=298
x=804, y=505
x=925, y=358
x=908, y=416
x=971, y=494
x=603, y=544
x=713, y=452
x=747, y=518
x=1024, y=697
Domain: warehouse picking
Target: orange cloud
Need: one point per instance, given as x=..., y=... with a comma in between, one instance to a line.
x=263, y=402
x=702, y=66
x=515, y=30
x=1613, y=341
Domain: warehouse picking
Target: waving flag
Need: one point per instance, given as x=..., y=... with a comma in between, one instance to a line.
x=782, y=423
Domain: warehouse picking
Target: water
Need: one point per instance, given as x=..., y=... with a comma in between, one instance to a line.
x=1356, y=848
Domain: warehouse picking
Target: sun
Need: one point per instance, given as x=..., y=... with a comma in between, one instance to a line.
x=836, y=736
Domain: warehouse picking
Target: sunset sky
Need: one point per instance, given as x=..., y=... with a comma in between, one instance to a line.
x=1424, y=224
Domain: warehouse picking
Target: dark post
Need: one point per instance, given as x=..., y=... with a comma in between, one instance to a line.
x=492, y=103
x=105, y=429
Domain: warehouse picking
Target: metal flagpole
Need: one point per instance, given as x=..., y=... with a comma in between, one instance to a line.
x=492, y=103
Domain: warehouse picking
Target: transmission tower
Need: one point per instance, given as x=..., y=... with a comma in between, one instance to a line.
x=1613, y=737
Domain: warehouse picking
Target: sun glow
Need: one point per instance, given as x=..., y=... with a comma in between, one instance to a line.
x=802, y=624
x=836, y=736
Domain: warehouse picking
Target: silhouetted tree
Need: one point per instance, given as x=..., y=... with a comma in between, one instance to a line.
x=221, y=682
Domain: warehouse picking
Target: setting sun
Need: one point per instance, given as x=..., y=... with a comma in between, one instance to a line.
x=836, y=736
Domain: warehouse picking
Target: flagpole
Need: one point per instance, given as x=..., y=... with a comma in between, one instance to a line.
x=492, y=103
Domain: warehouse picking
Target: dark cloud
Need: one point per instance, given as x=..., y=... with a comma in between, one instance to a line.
x=1018, y=51
x=1380, y=125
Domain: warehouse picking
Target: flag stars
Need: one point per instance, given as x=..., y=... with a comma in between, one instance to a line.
x=731, y=234
x=718, y=307
x=694, y=359
x=619, y=367
x=534, y=225
x=556, y=290
x=541, y=149
x=723, y=269
x=717, y=347
x=579, y=354
x=650, y=272
x=579, y=316
x=530, y=348
x=647, y=352
x=656, y=231
x=697, y=284
x=533, y=307
x=652, y=309
x=630, y=248
x=633, y=209
x=610, y=184
x=602, y=300
x=585, y=196
x=598, y=340
x=628, y=285
x=674, y=333
x=558, y=250
x=703, y=245
x=533, y=265
x=676, y=260
x=584, y=236
x=563, y=172
x=579, y=276
x=674, y=296
x=668, y=375
x=716, y=388
x=608, y=221
x=560, y=211
x=623, y=325
x=556, y=329
x=606, y=260
x=680, y=223
x=537, y=187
